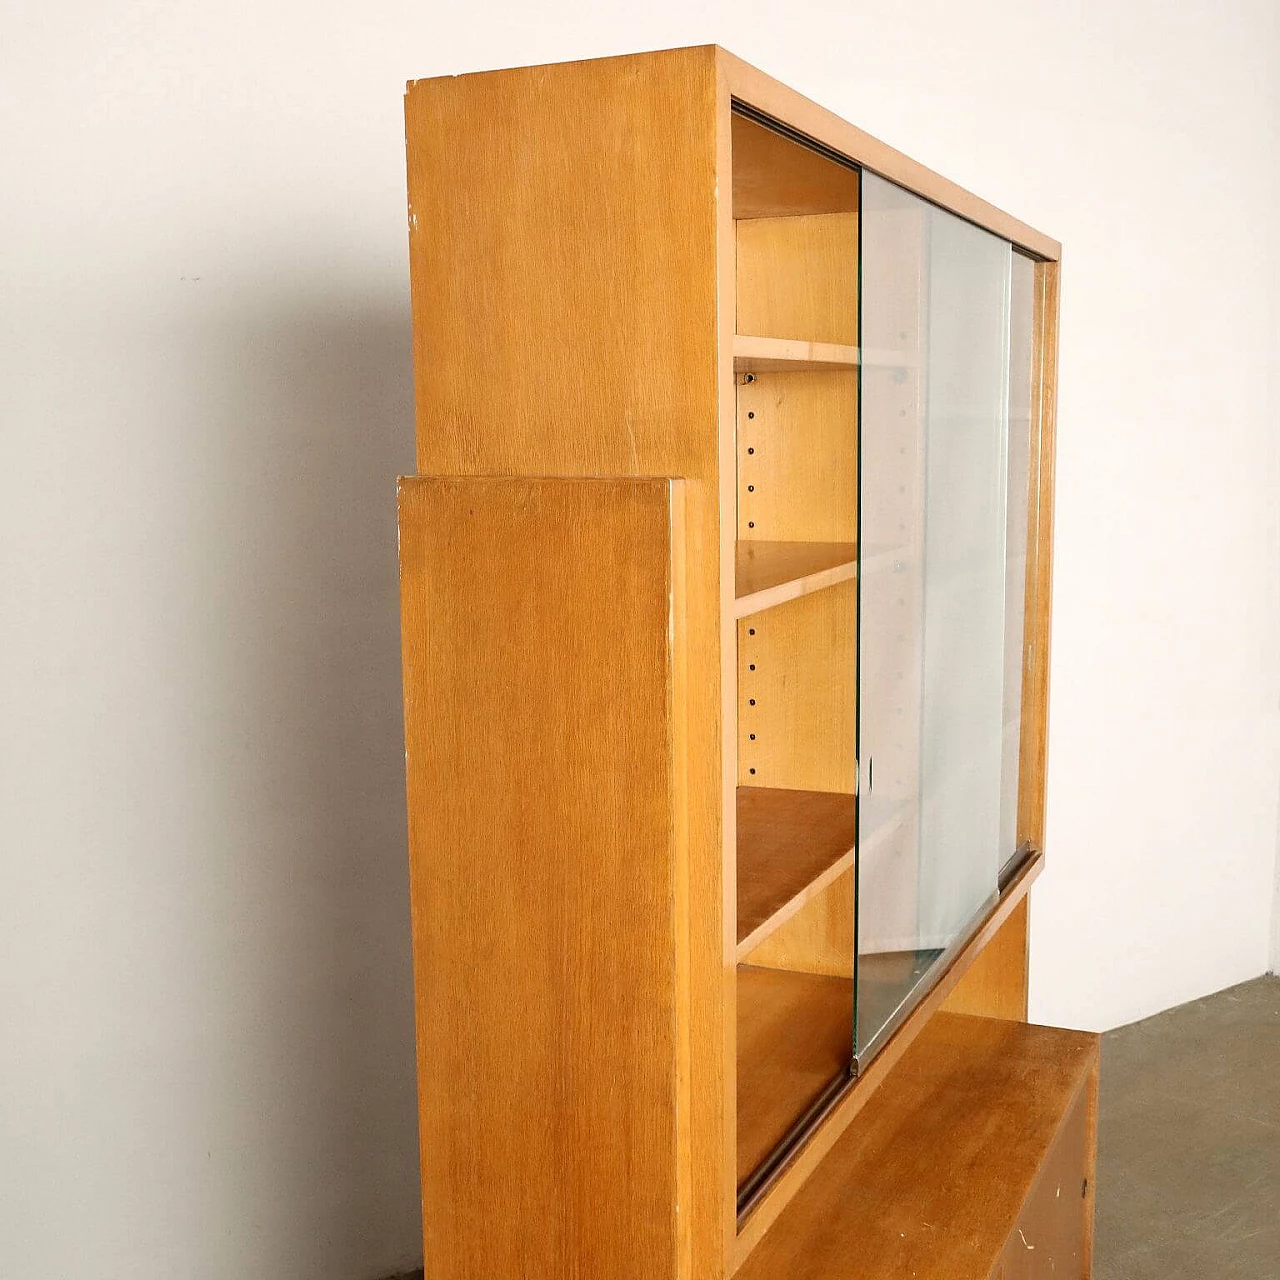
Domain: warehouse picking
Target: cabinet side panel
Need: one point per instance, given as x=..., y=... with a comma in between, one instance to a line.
x=566, y=231
x=1035, y=690
x=562, y=248
x=542, y=727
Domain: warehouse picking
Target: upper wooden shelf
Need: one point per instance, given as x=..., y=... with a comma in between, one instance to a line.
x=773, y=177
x=791, y=846
x=770, y=573
x=794, y=355
x=930, y=1182
x=789, y=355
x=795, y=1037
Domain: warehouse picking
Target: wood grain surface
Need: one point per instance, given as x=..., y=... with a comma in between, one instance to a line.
x=771, y=573
x=797, y=695
x=756, y=1221
x=1052, y=1237
x=798, y=277
x=1035, y=693
x=818, y=937
x=789, y=355
x=996, y=985
x=798, y=457
x=791, y=844
x=543, y=728
x=774, y=177
x=934, y=1179
x=747, y=84
x=567, y=249
x=795, y=1036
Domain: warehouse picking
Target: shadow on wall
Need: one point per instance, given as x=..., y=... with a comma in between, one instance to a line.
x=207, y=991
x=303, y=716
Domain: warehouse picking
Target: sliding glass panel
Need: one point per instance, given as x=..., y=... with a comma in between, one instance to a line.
x=796, y=375
x=935, y=573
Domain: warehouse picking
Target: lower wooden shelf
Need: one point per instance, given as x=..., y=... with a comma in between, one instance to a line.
x=771, y=573
x=791, y=846
x=795, y=1036
x=972, y=1162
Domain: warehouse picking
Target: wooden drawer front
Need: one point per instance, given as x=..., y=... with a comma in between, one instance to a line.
x=1054, y=1233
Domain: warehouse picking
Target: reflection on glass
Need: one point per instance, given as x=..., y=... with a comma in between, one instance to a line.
x=796, y=606
x=943, y=531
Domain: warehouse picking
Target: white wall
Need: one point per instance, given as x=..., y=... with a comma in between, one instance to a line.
x=1273, y=417
x=206, y=1068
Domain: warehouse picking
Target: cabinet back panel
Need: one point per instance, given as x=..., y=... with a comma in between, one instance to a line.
x=798, y=277
x=818, y=938
x=797, y=693
x=798, y=457
x=774, y=177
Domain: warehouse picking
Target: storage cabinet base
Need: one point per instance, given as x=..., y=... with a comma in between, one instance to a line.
x=974, y=1162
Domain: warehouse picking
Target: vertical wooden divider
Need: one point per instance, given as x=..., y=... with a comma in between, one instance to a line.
x=544, y=743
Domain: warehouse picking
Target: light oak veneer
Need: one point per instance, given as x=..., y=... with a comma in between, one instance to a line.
x=636, y=361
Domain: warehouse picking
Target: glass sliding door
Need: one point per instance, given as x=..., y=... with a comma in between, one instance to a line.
x=943, y=517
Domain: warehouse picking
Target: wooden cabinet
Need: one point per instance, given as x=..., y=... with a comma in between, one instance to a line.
x=725, y=585
x=975, y=1159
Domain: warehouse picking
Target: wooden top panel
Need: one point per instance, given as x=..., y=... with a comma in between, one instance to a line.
x=751, y=86
x=929, y=1182
x=756, y=193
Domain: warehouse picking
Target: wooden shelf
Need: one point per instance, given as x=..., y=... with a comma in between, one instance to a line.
x=756, y=1219
x=795, y=1036
x=770, y=573
x=753, y=354
x=935, y=1179
x=791, y=846
x=789, y=355
x=775, y=178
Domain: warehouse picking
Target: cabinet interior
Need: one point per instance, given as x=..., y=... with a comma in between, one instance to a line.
x=796, y=374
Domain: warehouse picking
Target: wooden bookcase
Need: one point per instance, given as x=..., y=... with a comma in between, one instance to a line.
x=639, y=628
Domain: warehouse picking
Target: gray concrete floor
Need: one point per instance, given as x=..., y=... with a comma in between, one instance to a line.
x=1189, y=1142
